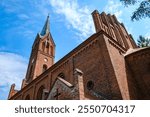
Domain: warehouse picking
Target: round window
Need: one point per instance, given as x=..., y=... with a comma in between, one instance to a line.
x=45, y=59
x=90, y=85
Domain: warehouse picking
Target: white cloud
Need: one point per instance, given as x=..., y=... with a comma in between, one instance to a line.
x=23, y=16
x=147, y=35
x=113, y=7
x=12, y=70
x=77, y=17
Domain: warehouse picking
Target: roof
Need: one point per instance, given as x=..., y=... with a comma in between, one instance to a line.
x=46, y=28
x=65, y=82
x=131, y=50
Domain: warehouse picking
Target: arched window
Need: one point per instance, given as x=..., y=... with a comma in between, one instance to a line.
x=27, y=97
x=47, y=44
x=43, y=46
x=52, y=51
x=40, y=93
x=44, y=68
x=30, y=72
x=90, y=85
x=47, y=47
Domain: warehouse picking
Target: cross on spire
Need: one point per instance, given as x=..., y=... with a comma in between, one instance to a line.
x=46, y=28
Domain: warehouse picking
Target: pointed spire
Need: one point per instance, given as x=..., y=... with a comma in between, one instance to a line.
x=46, y=28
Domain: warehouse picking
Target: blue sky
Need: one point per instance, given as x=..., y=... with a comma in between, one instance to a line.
x=70, y=24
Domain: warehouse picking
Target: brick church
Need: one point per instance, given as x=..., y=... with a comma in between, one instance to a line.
x=106, y=66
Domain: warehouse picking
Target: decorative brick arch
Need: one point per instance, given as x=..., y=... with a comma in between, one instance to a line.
x=27, y=97
x=61, y=75
x=40, y=93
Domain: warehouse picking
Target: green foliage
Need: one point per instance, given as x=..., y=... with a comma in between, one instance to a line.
x=142, y=11
x=143, y=42
x=128, y=2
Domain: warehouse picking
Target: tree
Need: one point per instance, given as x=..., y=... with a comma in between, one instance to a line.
x=143, y=42
x=142, y=11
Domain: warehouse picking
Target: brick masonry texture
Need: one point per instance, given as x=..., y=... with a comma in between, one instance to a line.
x=106, y=66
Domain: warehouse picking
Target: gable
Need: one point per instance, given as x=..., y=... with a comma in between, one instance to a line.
x=62, y=90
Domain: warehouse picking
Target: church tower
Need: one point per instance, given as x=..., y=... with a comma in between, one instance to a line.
x=42, y=54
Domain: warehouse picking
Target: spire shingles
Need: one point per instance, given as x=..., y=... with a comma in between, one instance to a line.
x=46, y=28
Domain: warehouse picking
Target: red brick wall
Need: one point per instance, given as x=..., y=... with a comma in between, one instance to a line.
x=139, y=63
x=93, y=59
